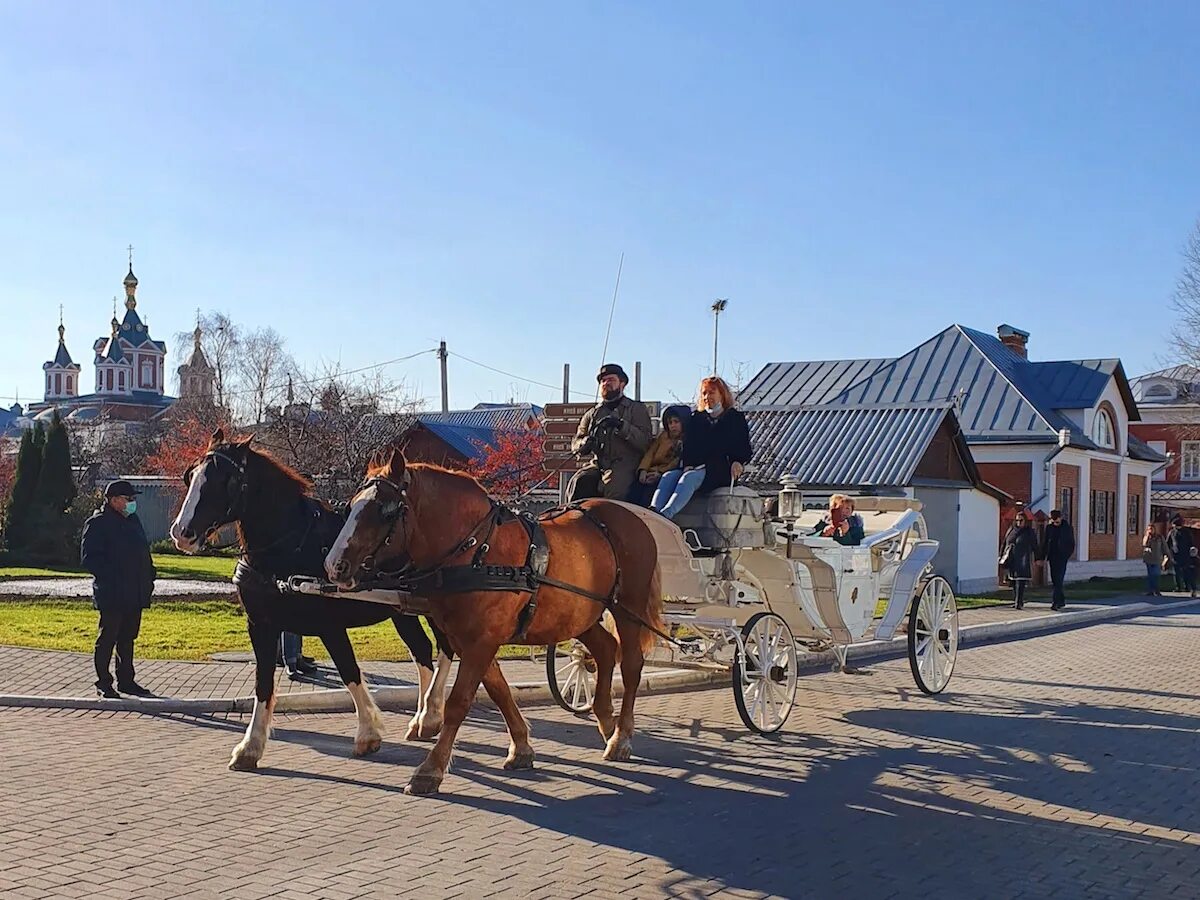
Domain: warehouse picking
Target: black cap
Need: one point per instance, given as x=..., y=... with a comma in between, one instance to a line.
x=612, y=369
x=1178, y=520
x=120, y=489
x=1056, y=513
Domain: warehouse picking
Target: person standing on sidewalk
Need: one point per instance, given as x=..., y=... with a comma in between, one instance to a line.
x=1058, y=543
x=1154, y=554
x=1183, y=553
x=115, y=551
x=1020, y=545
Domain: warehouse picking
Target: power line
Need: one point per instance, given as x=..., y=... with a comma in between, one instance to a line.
x=553, y=387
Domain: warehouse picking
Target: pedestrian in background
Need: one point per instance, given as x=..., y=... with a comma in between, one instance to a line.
x=291, y=654
x=1154, y=555
x=115, y=551
x=1183, y=553
x=1057, y=545
x=1020, y=545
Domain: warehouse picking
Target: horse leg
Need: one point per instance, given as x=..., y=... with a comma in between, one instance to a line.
x=433, y=712
x=620, y=745
x=604, y=649
x=248, y=752
x=520, y=751
x=428, y=776
x=414, y=636
x=369, y=736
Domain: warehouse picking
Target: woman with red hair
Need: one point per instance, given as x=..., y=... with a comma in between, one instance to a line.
x=716, y=448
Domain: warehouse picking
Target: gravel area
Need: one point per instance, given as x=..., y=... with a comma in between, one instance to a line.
x=67, y=588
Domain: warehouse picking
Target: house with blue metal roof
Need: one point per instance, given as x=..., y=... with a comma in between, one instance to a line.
x=1169, y=401
x=1052, y=434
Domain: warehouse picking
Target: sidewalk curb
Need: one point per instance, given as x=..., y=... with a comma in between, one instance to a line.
x=657, y=681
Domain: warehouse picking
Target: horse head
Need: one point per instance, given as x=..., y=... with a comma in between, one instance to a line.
x=377, y=525
x=216, y=487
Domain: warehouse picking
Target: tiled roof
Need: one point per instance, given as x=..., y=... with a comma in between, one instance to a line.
x=846, y=446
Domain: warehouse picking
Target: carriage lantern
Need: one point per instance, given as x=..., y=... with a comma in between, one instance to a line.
x=790, y=497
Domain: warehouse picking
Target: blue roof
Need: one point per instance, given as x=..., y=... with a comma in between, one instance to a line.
x=504, y=416
x=847, y=446
x=1000, y=395
x=468, y=441
x=8, y=419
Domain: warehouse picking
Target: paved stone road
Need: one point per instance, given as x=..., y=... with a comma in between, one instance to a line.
x=68, y=588
x=1059, y=766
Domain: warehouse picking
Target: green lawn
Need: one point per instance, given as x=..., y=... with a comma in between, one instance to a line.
x=1097, y=589
x=174, y=630
x=169, y=565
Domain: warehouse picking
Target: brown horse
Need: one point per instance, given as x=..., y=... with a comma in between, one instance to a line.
x=441, y=534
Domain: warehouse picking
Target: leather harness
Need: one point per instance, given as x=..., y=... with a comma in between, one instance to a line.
x=480, y=576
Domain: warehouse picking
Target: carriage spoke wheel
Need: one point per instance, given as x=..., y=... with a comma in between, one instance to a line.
x=933, y=635
x=571, y=675
x=764, y=682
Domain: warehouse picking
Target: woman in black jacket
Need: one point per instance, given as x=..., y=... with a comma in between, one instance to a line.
x=1020, y=545
x=716, y=448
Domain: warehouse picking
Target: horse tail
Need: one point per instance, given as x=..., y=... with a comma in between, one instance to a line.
x=654, y=611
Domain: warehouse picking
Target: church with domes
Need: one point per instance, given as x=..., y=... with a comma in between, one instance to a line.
x=129, y=383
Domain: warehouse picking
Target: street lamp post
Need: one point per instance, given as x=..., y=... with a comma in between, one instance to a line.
x=718, y=307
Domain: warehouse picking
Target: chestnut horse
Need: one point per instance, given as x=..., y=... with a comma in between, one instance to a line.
x=284, y=531
x=445, y=539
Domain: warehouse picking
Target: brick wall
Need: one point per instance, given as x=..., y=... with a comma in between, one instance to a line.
x=1133, y=545
x=1068, y=476
x=1015, y=479
x=1103, y=478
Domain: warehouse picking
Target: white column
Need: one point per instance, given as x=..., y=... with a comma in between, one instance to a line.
x=1083, y=531
x=1122, y=509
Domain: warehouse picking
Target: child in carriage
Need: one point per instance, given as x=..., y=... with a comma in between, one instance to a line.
x=661, y=456
x=842, y=524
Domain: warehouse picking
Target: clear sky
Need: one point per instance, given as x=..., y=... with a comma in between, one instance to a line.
x=370, y=178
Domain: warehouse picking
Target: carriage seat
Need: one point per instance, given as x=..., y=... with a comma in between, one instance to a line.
x=727, y=519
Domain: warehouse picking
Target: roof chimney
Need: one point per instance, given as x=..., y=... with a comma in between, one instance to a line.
x=1014, y=339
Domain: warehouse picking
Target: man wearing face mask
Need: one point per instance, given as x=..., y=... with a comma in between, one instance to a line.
x=115, y=550
x=614, y=434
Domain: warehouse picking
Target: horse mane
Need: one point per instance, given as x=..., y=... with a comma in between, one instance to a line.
x=383, y=467
x=301, y=483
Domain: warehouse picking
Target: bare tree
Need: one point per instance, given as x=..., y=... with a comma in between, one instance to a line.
x=334, y=423
x=220, y=339
x=263, y=365
x=1185, y=334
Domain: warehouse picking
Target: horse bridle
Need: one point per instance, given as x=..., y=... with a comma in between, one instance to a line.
x=236, y=506
x=395, y=511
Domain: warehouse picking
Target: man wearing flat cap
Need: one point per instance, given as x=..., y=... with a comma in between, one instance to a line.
x=613, y=435
x=115, y=550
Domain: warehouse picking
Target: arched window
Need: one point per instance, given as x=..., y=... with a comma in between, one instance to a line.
x=58, y=382
x=1104, y=431
x=120, y=381
x=70, y=384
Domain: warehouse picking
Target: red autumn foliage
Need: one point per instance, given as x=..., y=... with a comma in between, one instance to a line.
x=8, y=471
x=513, y=465
x=183, y=443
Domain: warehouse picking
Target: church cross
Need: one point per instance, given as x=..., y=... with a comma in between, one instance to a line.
x=130, y=248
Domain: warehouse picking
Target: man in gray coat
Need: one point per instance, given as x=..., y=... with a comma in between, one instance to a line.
x=614, y=434
x=115, y=550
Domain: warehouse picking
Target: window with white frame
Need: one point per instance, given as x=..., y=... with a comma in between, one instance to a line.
x=1102, y=512
x=1133, y=522
x=1103, y=430
x=1189, y=460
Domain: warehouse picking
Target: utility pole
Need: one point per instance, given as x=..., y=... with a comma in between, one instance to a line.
x=442, y=355
x=718, y=307
x=637, y=380
x=566, y=382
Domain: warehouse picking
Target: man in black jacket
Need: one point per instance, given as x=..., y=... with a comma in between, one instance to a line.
x=115, y=550
x=1058, y=543
x=1183, y=552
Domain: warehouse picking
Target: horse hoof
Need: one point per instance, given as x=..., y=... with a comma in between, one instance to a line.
x=423, y=785
x=619, y=750
x=419, y=731
x=367, y=747
x=243, y=763
x=522, y=760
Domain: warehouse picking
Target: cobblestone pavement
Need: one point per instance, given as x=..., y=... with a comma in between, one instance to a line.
x=69, y=588
x=1058, y=766
x=50, y=673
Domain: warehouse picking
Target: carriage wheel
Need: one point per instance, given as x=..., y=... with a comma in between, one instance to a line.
x=764, y=683
x=571, y=675
x=933, y=635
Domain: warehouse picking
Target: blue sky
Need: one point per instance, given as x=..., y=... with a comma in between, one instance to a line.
x=369, y=179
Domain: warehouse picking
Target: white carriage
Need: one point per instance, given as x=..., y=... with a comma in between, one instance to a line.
x=746, y=594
